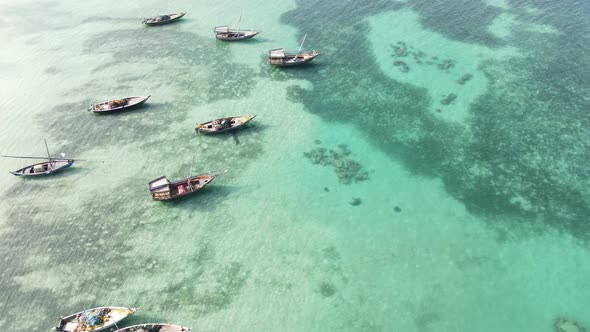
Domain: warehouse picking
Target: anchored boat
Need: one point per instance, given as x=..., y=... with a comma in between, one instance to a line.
x=224, y=124
x=96, y=319
x=50, y=166
x=228, y=34
x=163, y=19
x=162, y=189
x=118, y=104
x=155, y=327
x=279, y=57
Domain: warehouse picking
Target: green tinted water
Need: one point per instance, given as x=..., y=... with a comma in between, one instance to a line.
x=473, y=217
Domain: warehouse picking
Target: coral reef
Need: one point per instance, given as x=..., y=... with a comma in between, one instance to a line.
x=347, y=169
x=402, y=50
x=463, y=79
x=403, y=67
x=567, y=325
x=355, y=201
x=448, y=99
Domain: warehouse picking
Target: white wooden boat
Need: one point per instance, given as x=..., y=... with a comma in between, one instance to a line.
x=93, y=320
x=118, y=104
x=223, y=124
x=280, y=57
x=228, y=34
x=50, y=166
x=163, y=19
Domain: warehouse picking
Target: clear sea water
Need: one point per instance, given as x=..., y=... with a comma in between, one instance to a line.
x=475, y=215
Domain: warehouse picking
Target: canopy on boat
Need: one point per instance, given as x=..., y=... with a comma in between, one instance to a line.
x=224, y=29
x=161, y=184
x=277, y=53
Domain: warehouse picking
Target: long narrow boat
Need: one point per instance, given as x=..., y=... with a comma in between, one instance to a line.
x=50, y=166
x=162, y=189
x=227, y=34
x=279, y=57
x=118, y=104
x=163, y=19
x=96, y=319
x=44, y=168
x=155, y=327
x=224, y=124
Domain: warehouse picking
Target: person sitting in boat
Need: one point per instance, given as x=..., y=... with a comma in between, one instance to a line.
x=217, y=124
x=226, y=123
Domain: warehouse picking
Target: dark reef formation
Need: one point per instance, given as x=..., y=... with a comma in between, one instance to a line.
x=347, y=169
x=525, y=148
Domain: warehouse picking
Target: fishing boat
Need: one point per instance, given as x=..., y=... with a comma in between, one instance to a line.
x=163, y=19
x=224, y=124
x=228, y=34
x=155, y=327
x=50, y=166
x=162, y=189
x=279, y=57
x=96, y=319
x=118, y=104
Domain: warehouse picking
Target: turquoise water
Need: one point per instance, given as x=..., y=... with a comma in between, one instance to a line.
x=474, y=214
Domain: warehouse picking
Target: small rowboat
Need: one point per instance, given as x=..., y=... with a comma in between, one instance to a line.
x=96, y=319
x=224, y=124
x=118, y=104
x=50, y=166
x=163, y=19
x=155, y=327
x=162, y=189
x=44, y=168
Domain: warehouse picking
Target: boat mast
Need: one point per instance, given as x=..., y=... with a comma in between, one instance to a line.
x=239, y=19
x=188, y=180
x=46, y=148
x=301, y=46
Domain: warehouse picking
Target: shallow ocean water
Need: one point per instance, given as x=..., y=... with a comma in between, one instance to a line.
x=474, y=216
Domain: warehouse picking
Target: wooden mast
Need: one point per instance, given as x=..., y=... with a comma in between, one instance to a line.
x=300, y=46
x=48, y=155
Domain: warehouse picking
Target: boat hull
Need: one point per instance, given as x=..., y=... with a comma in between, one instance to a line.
x=171, y=20
x=207, y=127
x=182, y=187
x=115, y=315
x=155, y=327
x=131, y=103
x=44, y=168
x=293, y=63
x=243, y=37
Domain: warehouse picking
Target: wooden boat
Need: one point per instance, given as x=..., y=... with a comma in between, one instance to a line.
x=228, y=34
x=44, y=168
x=163, y=19
x=118, y=104
x=224, y=124
x=162, y=189
x=279, y=57
x=155, y=327
x=50, y=166
x=96, y=319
